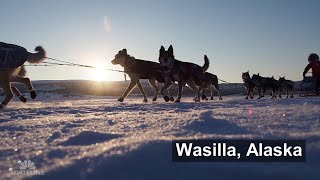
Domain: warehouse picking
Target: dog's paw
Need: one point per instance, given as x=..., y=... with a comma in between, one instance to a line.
x=171, y=99
x=251, y=97
x=291, y=96
x=177, y=101
x=204, y=96
x=166, y=98
x=23, y=99
x=145, y=100
x=220, y=98
x=33, y=94
x=211, y=98
x=197, y=100
x=247, y=97
x=154, y=98
x=121, y=99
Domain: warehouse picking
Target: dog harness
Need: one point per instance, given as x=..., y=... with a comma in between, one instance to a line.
x=12, y=56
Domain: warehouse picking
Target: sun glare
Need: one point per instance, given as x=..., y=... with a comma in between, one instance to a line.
x=99, y=74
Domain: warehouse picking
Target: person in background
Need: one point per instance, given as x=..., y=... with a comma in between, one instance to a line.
x=314, y=65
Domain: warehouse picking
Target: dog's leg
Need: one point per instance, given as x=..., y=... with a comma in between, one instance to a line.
x=291, y=89
x=203, y=93
x=171, y=98
x=259, y=91
x=251, y=92
x=273, y=94
x=211, y=92
x=166, y=85
x=280, y=92
x=27, y=82
x=9, y=95
x=216, y=87
x=193, y=86
x=180, y=84
x=129, y=89
x=153, y=83
x=264, y=91
x=18, y=93
x=142, y=91
x=248, y=92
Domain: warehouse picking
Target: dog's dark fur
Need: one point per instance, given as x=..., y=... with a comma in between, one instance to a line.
x=139, y=69
x=183, y=72
x=248, y=83
x=286, y=85
x=264, y=83
x=211, y=83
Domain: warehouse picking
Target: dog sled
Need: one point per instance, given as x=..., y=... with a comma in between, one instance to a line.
x=306, y=87
x=12, y=56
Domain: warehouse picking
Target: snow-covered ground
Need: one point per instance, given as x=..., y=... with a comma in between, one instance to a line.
x=96, y=137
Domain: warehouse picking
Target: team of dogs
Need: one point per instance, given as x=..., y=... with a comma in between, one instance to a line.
x=261, y=84
x=169, y=70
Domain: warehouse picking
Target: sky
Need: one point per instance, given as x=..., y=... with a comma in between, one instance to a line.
x=270, y=37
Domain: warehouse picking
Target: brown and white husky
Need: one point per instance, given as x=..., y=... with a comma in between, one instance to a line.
x=140, y=69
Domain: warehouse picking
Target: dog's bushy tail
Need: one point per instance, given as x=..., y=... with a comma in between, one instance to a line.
x=22, y=72
x=37, y=57
x=206, y=64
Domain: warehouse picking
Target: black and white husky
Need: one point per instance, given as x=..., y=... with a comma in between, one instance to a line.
x=182, y=72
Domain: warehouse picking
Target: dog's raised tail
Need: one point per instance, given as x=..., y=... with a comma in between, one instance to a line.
x=37, y=57
x=206, y=63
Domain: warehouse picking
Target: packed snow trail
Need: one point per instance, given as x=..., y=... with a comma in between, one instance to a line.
x=85, y=137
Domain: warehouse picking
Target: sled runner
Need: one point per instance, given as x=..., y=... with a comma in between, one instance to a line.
x=12, y=56
x=306, y=87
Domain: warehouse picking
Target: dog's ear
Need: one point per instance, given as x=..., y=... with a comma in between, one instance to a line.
x=162, y=50
x=170, y=50
x=258, y=74
x=124, y=51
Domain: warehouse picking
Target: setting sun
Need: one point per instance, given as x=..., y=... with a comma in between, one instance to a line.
x=99, y=74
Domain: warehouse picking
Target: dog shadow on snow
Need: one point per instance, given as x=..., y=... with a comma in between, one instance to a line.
x=207, y=124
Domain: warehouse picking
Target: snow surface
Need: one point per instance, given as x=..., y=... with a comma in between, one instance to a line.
x=96, y=137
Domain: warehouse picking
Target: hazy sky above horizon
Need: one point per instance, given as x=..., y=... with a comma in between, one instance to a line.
x=273, y=37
